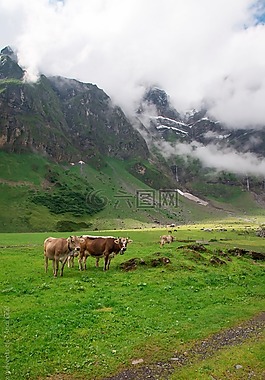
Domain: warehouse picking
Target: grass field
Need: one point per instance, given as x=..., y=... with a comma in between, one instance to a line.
x=92, y=324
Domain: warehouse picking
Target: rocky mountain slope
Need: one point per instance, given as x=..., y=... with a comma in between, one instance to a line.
x=67, y=120
x=62, y=118
x=166, y=123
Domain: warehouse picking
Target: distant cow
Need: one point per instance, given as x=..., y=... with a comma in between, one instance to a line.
x=166, y=239
x=98, y=247
x=59, y=249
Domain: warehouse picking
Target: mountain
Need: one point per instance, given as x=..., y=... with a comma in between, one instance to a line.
x=165, y=122
x=62, y=118
x=164, y=127
x=71, y=159
x=69, y=154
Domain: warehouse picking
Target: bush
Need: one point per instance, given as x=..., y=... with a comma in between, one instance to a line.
x=68, y=201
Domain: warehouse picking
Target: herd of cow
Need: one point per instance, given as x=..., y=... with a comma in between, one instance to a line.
x=65, y=249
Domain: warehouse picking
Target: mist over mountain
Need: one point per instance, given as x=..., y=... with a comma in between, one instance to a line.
x=67, y=119
x=198, y=52
x=67, y=122
x=197, y=134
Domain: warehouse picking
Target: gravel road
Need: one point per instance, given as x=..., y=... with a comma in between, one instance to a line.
x=201, y=350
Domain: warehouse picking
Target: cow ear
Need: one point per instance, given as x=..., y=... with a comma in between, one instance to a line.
x=130, y=240
x=116, y=241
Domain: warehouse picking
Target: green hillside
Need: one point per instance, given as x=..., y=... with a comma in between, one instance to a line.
x=39, y=195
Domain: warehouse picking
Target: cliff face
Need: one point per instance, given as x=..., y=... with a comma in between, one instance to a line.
x=61, y=118
x=196, y=126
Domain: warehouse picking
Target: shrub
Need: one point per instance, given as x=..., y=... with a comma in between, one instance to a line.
x=66, y=200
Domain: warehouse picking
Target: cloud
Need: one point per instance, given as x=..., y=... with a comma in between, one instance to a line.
x=212, y=156
x=229, y=160
x=210, y=51
x=198, y=51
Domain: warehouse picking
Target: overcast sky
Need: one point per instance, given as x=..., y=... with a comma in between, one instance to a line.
x=197, y=50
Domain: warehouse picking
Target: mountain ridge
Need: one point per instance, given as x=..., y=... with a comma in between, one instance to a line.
x=62, y=118
x=195, y=126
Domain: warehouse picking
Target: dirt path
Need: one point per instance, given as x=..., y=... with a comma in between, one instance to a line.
x=201, y=350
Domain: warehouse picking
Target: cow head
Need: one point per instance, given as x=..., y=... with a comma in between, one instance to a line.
x=73, y=243
x=122, y=243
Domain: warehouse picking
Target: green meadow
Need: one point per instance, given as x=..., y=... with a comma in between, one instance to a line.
x=93, y=324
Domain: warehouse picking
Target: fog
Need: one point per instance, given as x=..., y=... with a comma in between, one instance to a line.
x=200, y=52
x=197, y=51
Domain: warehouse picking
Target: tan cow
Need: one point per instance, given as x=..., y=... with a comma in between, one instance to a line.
x=166, y=239
x=98, y=247
x=59, y=249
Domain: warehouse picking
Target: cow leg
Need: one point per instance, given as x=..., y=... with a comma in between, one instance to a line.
x=97, y=261
x=46, y=260
x=80, y=259
x=84, y=260
x=55, y=267
x=80, y=266
x=62, y=267
x=70, y=261
x=106, y=263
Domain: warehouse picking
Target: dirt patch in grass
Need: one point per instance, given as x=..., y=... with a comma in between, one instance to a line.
x=136, y=262
x=245, y=252
x=201, y=350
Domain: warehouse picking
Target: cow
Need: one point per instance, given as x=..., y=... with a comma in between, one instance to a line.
x=59, y=249
x=166, y=239
x=101, y=246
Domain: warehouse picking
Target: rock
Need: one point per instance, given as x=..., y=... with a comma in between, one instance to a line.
x=137, y=361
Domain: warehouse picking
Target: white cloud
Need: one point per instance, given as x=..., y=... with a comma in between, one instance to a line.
x=212, y=156
x=195, y=49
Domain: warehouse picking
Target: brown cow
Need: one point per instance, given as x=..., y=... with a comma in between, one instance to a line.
x=98, y=247
x=59, y=249
x=166, y=239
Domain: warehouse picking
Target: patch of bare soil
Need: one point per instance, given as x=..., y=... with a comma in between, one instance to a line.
x=201, y=350
x=134, y=263
x=17, y=183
